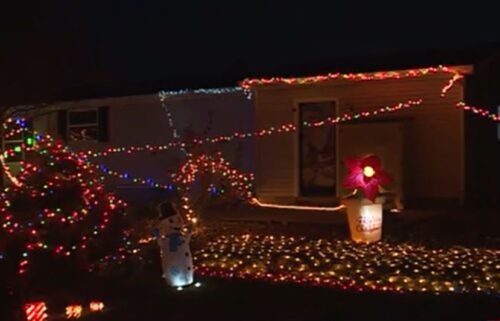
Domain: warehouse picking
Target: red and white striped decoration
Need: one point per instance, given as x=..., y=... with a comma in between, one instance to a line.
x=35, y=311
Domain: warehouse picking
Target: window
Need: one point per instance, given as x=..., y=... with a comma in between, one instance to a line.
x=83, y=125
x=90, y=125
x=317, y=150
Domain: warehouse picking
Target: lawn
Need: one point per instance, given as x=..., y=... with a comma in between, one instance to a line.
x=147, y=298
x=301, y=253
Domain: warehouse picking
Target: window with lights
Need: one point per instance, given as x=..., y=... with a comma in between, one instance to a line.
x=83, y=125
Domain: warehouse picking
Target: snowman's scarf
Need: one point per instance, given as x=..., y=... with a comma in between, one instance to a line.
x=174, y=241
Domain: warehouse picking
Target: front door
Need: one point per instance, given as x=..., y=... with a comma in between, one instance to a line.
x=317, y=149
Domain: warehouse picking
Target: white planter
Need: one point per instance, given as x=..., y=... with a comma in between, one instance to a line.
x=365, y=219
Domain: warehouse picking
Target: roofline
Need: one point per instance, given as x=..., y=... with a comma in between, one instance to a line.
x=359, y=76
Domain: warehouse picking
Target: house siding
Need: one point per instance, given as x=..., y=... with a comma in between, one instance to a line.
x=141, y=120
x=433, y=157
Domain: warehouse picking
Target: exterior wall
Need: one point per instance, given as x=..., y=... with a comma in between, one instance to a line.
x=433, y=153
x=141, y=120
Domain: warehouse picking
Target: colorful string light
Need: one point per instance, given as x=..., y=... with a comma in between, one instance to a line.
x=284, y=128
x=207, y=164
x=135, y=179
x=476, y=283
x=76, y=175
x=414, y=73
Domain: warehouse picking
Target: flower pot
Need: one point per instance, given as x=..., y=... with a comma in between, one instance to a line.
x=365, y=219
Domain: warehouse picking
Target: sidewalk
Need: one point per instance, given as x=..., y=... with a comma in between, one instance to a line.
x=246, y=213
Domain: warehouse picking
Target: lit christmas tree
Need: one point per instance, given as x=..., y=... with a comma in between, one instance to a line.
x=56, y=206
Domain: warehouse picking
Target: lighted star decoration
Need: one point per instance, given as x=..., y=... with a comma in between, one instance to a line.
x=365, y=174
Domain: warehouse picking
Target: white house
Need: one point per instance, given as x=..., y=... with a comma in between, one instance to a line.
x=98, y=124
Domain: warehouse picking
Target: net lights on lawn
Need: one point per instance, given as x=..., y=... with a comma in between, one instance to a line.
x=342, y=264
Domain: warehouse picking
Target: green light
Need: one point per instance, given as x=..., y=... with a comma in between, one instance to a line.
x=18, y=149
x=30, y=141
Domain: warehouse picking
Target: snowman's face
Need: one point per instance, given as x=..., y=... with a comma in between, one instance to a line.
x=173, y=223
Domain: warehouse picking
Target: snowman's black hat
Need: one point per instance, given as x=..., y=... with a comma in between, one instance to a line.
x=167, y=209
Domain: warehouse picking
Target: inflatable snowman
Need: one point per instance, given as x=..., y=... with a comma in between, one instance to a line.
x=173, y=239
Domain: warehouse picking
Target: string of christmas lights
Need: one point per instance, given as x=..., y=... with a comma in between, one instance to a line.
x=479, y=111
x=413, y=73
x=456, y=77
x=168, y=113
x=205, y=91
x=57, y=168
x=49, y=141
x=6, y=170
x=284, y=128
x=202, y=165
x=136, y=179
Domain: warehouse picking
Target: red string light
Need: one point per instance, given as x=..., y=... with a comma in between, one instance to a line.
x=456, y=77
x=479, y=111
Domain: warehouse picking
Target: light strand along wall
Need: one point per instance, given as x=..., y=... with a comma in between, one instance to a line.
x=433, y=138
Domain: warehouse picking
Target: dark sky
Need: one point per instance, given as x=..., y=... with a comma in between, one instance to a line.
x=51, y=48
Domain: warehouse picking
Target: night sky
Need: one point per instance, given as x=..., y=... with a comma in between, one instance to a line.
x=50, y=50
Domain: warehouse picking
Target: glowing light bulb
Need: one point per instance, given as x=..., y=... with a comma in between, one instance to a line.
x=368, y=171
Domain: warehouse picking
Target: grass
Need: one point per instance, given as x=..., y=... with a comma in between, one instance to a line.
x=148, y=298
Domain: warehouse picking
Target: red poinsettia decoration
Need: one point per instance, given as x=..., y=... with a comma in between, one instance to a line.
x=365, y=174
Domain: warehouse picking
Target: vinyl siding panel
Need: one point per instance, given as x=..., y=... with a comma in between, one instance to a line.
x=433, y=160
